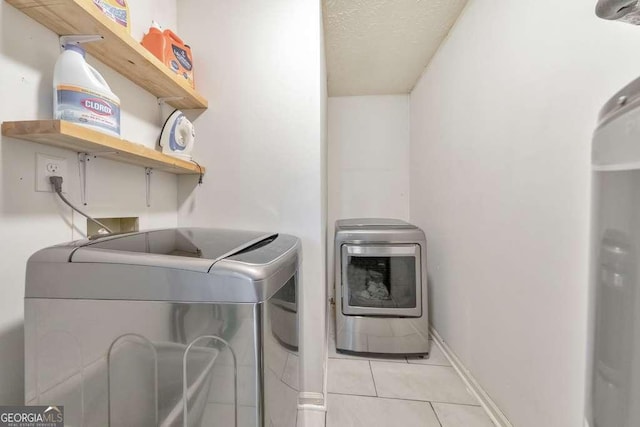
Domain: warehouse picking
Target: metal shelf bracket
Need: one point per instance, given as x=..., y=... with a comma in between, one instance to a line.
x=147, y=176
x=83, y=159
x=79, y=38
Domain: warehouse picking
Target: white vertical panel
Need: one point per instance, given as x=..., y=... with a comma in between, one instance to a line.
x=259, y=63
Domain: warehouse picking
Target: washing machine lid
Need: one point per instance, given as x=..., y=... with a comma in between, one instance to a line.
x=195, y=249
x=360, y=223
x=615, y=142
x=176, y=265
x=626, y=99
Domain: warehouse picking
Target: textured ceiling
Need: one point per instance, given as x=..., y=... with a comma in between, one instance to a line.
x=377, y=47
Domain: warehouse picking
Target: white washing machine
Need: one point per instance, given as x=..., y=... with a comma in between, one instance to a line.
x=615, y=248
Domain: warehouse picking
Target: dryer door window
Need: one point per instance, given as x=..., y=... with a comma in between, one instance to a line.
x=382, y=280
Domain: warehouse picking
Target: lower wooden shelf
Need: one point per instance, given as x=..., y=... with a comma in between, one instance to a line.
x=83, y=140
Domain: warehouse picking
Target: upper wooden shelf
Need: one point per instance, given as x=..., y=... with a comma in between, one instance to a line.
x=77, y=138
x=118, y=49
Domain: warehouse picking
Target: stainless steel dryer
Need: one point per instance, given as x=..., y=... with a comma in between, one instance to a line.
x=177, y=327
x=381, y=287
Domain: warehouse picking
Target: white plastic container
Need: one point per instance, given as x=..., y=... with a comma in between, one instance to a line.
x=81, y=95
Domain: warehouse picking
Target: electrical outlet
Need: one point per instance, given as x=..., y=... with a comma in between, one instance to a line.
x=46, y=166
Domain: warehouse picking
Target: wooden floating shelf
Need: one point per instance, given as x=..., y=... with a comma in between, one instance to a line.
x=118, y=50
x=83, y=140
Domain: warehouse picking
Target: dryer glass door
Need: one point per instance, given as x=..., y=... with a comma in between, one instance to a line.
x=381, y=280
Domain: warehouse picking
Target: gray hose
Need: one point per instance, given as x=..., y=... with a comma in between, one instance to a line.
x=56, y=181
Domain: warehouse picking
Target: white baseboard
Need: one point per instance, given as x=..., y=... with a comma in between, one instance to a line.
x=309, y=413
x=492, y=410
x=312, y=400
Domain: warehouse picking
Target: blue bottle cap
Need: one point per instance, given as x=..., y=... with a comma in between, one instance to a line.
x=75, y=48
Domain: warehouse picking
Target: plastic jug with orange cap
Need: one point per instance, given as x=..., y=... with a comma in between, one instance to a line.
x=171, y=50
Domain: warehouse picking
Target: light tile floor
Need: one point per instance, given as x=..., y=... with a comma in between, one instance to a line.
x=390, y=392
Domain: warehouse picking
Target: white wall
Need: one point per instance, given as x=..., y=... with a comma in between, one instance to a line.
x=368, y=160
x=30, y=221
x=260, y=65
x=501, y=123
x=324, y=140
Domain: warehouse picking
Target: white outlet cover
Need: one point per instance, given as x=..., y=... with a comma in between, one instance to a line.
x=45, y=163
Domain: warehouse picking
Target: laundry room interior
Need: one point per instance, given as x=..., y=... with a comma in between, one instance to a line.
x=309, y=213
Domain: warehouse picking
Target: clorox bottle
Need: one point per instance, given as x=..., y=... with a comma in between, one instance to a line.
x=81, y=95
